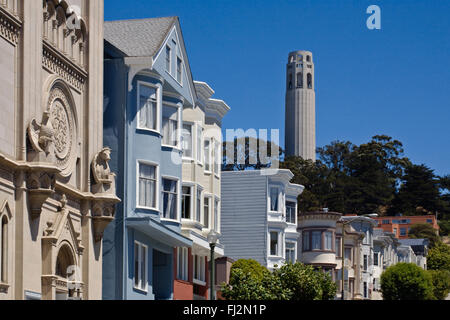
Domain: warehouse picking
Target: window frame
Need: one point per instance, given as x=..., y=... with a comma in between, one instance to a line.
x=157, y=183
x=279, y=209
x=182, y=269
x=140, y=245
x=178, y=215
x=295, y=212
x=199, y=203
x=294, y=249
x=217, y=157
x=199, y=267
x=199, y=140
x=208, y=162
x=217, y=213
x=169, y=59
x=158, y=89
x=208, y=197
x=179, y=69
x=178, y=130
x=278, y=245
x=191, y=205
x=191, y=125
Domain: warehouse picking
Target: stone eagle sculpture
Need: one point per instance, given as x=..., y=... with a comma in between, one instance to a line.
x=41, y=135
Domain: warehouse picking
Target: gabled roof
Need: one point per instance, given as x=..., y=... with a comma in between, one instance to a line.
x=414, y=242
x=140, y=37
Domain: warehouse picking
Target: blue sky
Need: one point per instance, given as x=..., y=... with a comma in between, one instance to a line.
x=393, y=81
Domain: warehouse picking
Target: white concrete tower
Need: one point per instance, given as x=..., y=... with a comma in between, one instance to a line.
x=300, y=126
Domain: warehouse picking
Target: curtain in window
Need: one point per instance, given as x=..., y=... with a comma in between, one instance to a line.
x=147, y=107
x=207, y=155
x=147, y=186
x=273, y=199
x=316, y=235
x=186, y=203
x=170, y=125
x=169, y=199
x=187, y=140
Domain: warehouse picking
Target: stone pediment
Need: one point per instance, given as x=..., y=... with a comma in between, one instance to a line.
x=62, y=228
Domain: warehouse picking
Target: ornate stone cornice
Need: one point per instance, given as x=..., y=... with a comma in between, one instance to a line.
x=10, y=27
x=58, y=64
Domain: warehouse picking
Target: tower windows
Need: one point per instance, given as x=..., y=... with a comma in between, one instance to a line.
x=308, y=58
x=290, y=81
x=309, y=79
x=300, y=80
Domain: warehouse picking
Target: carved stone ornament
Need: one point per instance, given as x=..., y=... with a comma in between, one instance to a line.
x=102, y=215
x=41, y=185
x=63, y=123
x=103, y=177
x=41, y=137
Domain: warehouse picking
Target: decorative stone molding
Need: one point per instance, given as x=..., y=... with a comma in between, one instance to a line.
x=102, y=215
x=64, y=68
x=41, y=186
x=10, y=28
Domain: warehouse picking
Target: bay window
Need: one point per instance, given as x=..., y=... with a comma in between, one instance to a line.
x=147, y=107
x=328, y=240
x=147, y=185
x=315, y=240
x=199, y=144
x=170, y=199
x=140, y=266
x=306, y=243
x=199, y=205
x=321, y=240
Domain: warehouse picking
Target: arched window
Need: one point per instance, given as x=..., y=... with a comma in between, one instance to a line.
x=308, y=58
x=3, y=249
x=310, y=85
x=300, y=80
x=290, y=81
x=63, y=262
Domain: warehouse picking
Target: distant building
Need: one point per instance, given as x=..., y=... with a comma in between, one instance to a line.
x=401, y=225
x=420, y=249
x=259, y=219
x=300, y=106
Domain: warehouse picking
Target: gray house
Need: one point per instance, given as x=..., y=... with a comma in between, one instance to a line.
x=259, y=216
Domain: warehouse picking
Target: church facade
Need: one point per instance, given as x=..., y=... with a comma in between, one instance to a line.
x=57, y=192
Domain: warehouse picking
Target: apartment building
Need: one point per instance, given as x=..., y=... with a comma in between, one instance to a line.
x=258, y=220
x=400, y=225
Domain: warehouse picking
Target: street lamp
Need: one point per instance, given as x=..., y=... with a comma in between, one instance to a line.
x=344, y=223
x=212, y=239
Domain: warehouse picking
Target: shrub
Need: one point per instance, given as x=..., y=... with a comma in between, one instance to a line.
x=439, y=257
x=305, y=283
x=406, y=281
x=441, y=283
x=251, y=267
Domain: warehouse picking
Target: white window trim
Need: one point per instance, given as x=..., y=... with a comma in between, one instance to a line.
x=178, y=198
x=190, y=185
x=295, y=250
x=280, y=199
x=295, y=213
x=182, y=73
x=145, y=288
x=280, y=247
x=158, y=181
x=185, y=254
x=209, y=196
x=179, y=126
x=198, y=127
x=218, y=201
x=199, y=188
x=211, y=162
x=158, y=88
x=192, y=124
x=217, y=158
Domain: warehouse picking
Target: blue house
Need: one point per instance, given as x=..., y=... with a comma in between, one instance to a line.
x=147, y=83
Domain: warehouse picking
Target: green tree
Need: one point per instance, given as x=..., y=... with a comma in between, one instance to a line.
x=441, y=283
x=439, y=257
x=419, y=192
x=424, y=231
x=251, y=267
x=406, y=281
x=245, y=153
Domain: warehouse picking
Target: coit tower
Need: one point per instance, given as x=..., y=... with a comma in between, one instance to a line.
x=300, y=125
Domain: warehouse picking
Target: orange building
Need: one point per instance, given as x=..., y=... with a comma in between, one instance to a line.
x=400, y=226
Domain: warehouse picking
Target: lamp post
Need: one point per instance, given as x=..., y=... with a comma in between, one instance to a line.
x=344, y=223
x=212, y=239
